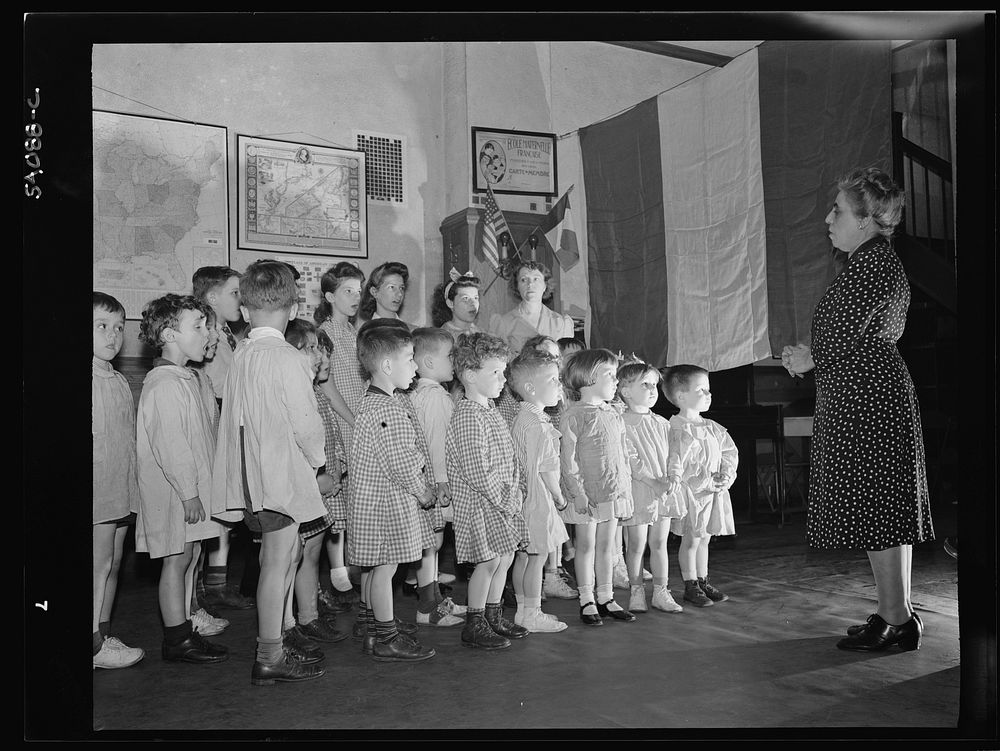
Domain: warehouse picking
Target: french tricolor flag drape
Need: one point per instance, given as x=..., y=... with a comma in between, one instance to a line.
x=705, y=204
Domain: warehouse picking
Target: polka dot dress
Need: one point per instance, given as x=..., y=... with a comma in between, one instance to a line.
x=868, y=481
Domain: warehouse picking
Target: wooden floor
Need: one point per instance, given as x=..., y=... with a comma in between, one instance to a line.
x=763, y=664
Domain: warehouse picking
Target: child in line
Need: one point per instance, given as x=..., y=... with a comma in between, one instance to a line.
x=709, y=458
x=218, y=287
x=174, y=448
x=115, y=486
x=485, y=486
x=206, y=623
x=271, y=442
x=596, y=477
x=336, y=316
x=534, y=377
x=388, y=486
x=557, y=582
x=433, y=407
x=656, y=473
x=568, y=346
x=343, y=596
x=301, y=334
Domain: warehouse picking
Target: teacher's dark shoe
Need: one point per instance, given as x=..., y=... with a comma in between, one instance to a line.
x=858, y=628
x=880, y=635
x=195, y=649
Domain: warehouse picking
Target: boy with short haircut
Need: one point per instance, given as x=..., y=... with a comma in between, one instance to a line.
x=174, y=450
x=388, y=487
x=218, y=287
x=271, y=442
x=433, y=406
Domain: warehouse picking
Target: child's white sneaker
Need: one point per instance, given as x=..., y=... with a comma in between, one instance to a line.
x=556, y=586
x=619, y=575
x=637, y=601
x=114, y=654
x=647, y=576
x=538, y=622
x=207, y=625
x=663, y=600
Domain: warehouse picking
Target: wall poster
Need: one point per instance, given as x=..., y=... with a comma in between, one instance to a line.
x=301, y=198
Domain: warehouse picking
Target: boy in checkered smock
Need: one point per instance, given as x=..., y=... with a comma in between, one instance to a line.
x=433, y=407
x=486, y=490
x=387, y=487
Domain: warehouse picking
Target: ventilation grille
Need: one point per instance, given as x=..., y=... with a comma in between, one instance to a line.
x=384, y=179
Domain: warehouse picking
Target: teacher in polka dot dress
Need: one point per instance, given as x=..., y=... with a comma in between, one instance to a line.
x=868, y=482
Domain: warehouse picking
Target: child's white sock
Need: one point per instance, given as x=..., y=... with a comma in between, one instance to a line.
x=520, y=604
x=586, y=594
x=339, y=579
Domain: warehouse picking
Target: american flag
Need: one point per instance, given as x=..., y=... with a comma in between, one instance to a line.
x=494, y=225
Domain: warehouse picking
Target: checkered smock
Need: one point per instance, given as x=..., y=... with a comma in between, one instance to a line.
x=385, y=477
x=507, y=404
x=648, y=438
x=431, y=519
x=335, y=518
x=485, y=484
x=345, y=371
x=595, y=463
x=536, y=444
x=704, y=447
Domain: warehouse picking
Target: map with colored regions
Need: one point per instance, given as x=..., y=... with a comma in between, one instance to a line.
x=160, y=205
x=296, y=197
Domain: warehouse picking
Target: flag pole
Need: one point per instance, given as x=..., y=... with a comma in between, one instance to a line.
x=504, y=241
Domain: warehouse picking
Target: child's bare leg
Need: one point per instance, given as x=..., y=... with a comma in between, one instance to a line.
x=586, y=541
x=104, y=553
x=607, y=542
x=687, y=557
x=479, y=582
x=307, y=580
x=499, y=578
x=288, y=616
x=532, y=576
x=427, y=569
x=189, y=575
x=277, y=551
x=380, y=586
x=635, y=547
x=604, y=551
x=171, y=589
x=701, y=557
x=658, y=533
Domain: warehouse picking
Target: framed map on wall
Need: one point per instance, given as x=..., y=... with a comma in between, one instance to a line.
x=161, y=205
x=301, y=198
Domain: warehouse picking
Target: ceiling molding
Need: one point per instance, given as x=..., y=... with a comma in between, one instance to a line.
x=676, y=51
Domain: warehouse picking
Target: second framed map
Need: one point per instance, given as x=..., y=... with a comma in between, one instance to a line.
x=301, y=198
